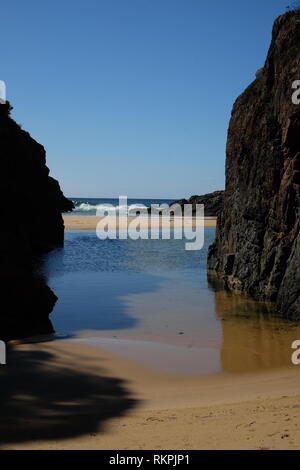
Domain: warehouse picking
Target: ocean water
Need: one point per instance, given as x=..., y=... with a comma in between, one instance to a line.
x=153, y=302
x=89, y=206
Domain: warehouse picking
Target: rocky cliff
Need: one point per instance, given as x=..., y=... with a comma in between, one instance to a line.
x=31, y=224
x=257, y=247
x=213, y=203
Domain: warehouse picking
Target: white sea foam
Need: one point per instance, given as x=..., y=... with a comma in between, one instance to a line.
x=86, y=207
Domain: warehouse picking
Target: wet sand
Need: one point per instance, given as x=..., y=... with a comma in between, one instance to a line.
x=91, y=392
x=75, y=222
x=81, y=397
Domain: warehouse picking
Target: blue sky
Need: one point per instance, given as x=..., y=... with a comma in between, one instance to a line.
x=132, y=97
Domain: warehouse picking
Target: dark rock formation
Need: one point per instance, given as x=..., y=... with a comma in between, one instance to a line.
x=31, y=224
x=213, y=203
x=257, y=248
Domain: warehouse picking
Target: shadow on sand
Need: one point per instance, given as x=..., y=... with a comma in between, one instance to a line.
x=44, y=397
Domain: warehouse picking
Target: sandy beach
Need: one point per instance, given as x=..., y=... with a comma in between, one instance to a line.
x=81, y=397
x=73, y=222
x=76, y=394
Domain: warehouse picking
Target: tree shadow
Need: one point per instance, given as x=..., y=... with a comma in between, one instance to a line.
x=44, y=397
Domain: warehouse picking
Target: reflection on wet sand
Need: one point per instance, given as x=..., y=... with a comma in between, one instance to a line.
x=254, y=337
x=152, y=302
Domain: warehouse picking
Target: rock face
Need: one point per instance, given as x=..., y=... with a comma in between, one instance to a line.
x=213, y=203
x=257, y=247
x=31, y=224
